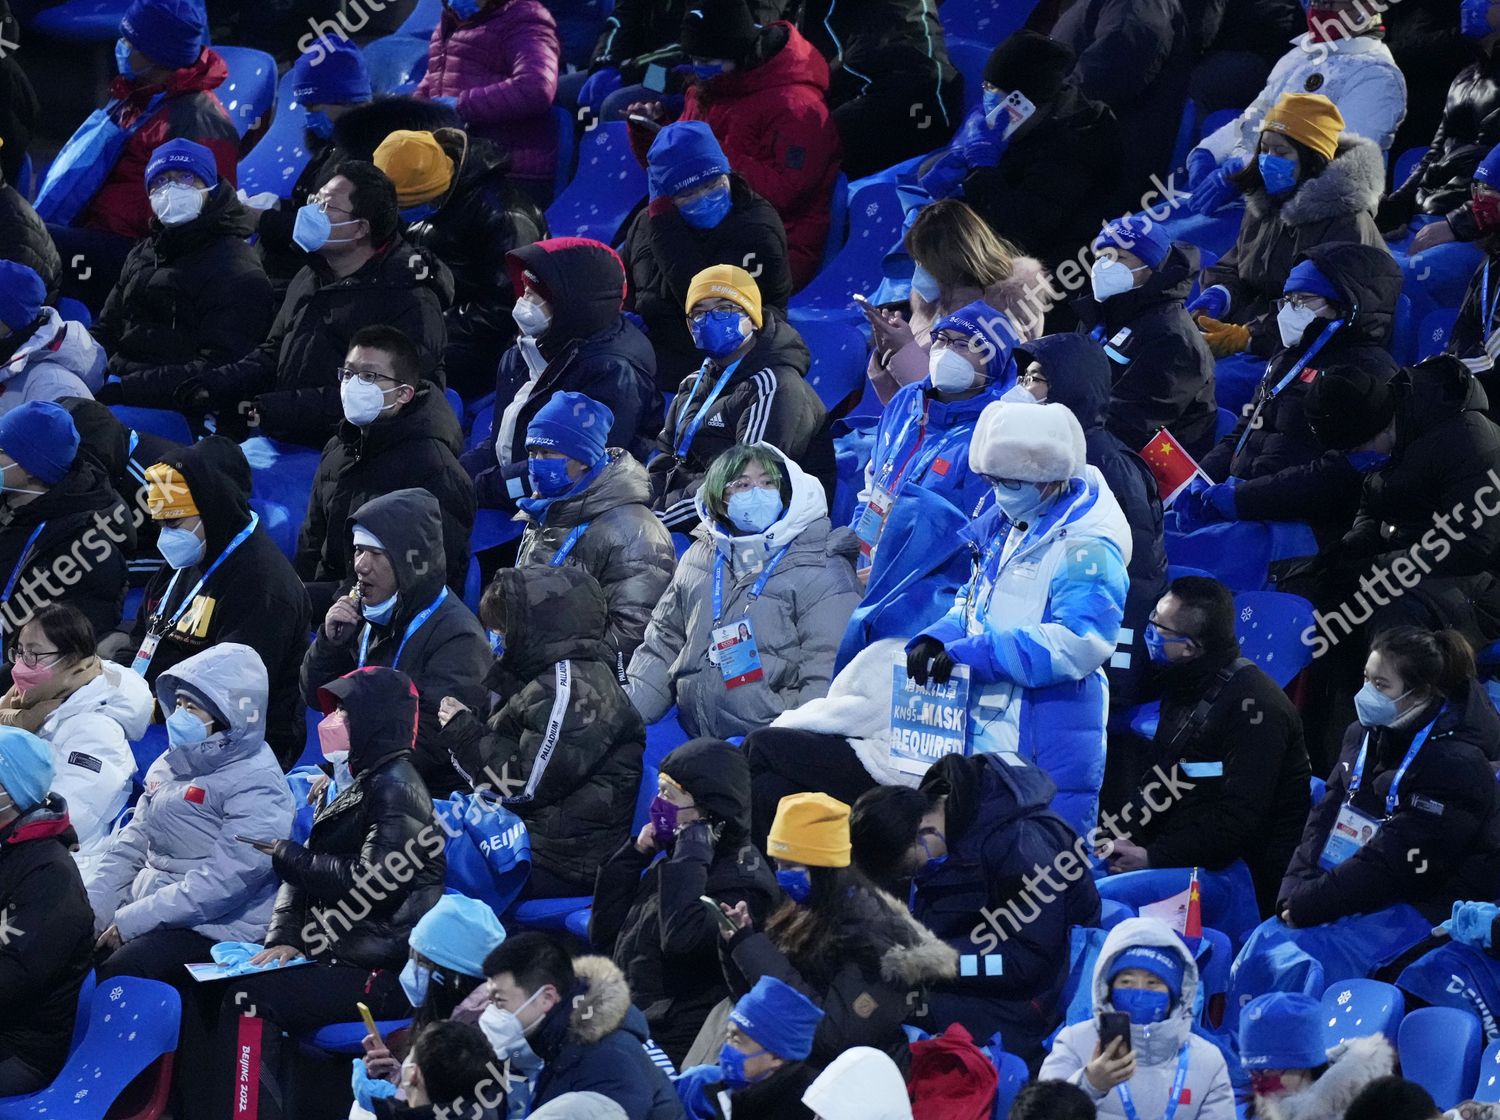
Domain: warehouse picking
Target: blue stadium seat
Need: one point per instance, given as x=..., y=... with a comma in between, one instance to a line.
x=81, y=21
x=396, y=63
x=567, y=149
x=1013, y=1076
x=131, y=1032
x=1177, y=571
x=423, y=20
x=455, y=402
x=1440, y=1050
x=347, y=1038
x=157, y=421
x=1433, y=333
x=281, y=486
x=1215, y=955
x=1404, y=164
x=969, y=57
x=1112, y=912
x=984, y=20
x=1187, y=133
x=609, y=183
x=1226, y=423
x=75, y=311
x=279, y=155
x=839, y=357
x=546, y=913
x=149, y=747
x=875, y=219
x=578, y=923
x=1316, y=787
x=27, y=179
x=492, y=527
x=1228, y=903
x=1355, y=1008
x=1404, y=333
x=249, y=93
x=1217, y=120
x=479, y=432
x=838, y=219
x=81, y=1016
x=1269, y=625
x=1487, y=1087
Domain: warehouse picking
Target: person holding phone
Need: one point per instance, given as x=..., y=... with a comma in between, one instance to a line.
x=1138, y=1052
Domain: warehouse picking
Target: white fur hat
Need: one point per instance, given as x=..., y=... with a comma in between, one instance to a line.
x=1028, y=442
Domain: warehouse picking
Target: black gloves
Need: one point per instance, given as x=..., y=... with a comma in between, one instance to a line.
x=929, y=660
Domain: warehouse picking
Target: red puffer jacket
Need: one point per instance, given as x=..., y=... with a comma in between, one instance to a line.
x=502, y=67
x=190, y=111
x=772, y=121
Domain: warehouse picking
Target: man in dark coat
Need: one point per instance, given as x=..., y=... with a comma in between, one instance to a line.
x=701, y=214
x=653, y=924
x=398, y=431
x=574, y=338
x=395, y=612
x=50, y=944
x=967, y=840
x=24, y=237
x=193, y=292
x=19, y=108
x=1243, y=753
x=1162, y=370
x=226, y=582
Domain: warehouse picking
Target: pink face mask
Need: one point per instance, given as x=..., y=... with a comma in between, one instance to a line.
x=27, y=677
x=333, y=734
x=1266, y=1083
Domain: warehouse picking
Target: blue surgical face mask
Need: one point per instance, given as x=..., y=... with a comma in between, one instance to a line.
x=924, y=284
x=313, y=229
x=415, y=980
x=417, y=213
x=1374, y=708
x=1026, y=503
x=706, y=71
x=732, y=1067
x=1278, y=173
x=122, y=60
x=320, y=124
x=549, y=477
x=992, y=101
x=185, y=729
x=1155, y=646
x=464, y=9
x=379, y=613
x=722, y=332
x=708, y=211
x=180, y=547
x=796, y=882
x=1141, y=1004
x=755, y=510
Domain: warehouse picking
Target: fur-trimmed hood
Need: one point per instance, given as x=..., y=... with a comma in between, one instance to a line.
x=1353, y=181
x=1157, y=1042
x=913, y=955
x=601, y=1001
x=1027, y=275
x=1352, y=1066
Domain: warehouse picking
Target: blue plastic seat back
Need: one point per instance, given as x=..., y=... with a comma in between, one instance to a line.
x=838, y=220
x=567, y=148
x=1013, y=1076
x=875, y=220
x=1269, y=625
x=1187, y=133
x=249, y=93
x=1317, y=787
x=1404, y=164
x=1217, y=120
x=280, y=154
x=348, y=1038
x=968, y=56
x=81, y=21
x=1227, y=897
x=839, y=358
x=984, y=20
x=662, y=738
x=1404, y=333
x=1215, y=955
x=281, y=487
x=609, y=183
x=479, y=434
x=157, y=421
x=1112, y=912
x=1487, y=1086
x=149, y=747
x=27, y=179
x=1440, y=1050
x=85, y=1004
x=423, y=20
x=1355, y=1008
x=1177, y=571
x=1433, y=333
x=546, y=913
x=74, y=311
x=1226, y=423
x=578, y=923
x=395, y=63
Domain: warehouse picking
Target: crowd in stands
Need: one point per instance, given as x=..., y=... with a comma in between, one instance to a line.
x=483, y=637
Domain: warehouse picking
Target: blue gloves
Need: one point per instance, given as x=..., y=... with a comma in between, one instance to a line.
x=978, y=143
x=366, y=1089
x=1366, y=461
x=1204, y=503
x=1471, y=923
x=451, y=102
x=1219, y=500
x=945, y=178
x=601, y=83
x=1200, y=164
x=1213, y=302
x=1216, y=189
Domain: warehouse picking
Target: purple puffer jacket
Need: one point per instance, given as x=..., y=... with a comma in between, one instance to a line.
x=502, y=67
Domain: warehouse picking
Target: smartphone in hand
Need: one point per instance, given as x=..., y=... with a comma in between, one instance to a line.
x=1113, y=1025
x=719, y=916
x=364, y=1013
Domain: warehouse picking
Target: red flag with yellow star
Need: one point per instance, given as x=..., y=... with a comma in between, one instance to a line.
x=1169, y=461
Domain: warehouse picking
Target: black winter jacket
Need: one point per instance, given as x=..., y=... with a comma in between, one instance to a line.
x=639, y=32
x=1163, y=371
x=416, y=447
x=565, y=745
x=325, y=907
x=20, y=111
x=448, y=655
x=1442, y=842
x=50, y=944
x=254, y=597
x=876, y=39
x=1466, y=341
x=766, y=400
x=1289, y=475
x=24, y=237
x=663, y=253
x=193, y=295
x=1249, y=772
x=647, y=915
x=999, y=831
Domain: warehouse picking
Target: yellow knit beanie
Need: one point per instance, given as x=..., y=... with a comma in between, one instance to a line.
x=416, y=163
x=811, y=829
x=1308, y=118
x=726, y=281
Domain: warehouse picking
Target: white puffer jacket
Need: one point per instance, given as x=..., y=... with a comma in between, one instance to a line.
x=60, y=360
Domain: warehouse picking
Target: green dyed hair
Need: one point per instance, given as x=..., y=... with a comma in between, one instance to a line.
x=729, y=466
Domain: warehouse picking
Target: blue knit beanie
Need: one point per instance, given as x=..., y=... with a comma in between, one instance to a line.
x=779, y=1017
x=168, y=32
x=183, y=155
x=1137, y=235
x=990, y=329
x=22, y=294
x=25, y=767
x=574, y=424
x=1160, y=961
x=332, y=72
x=1305, y=277
x=40, y=435
x=684, y=154
x=457, y=933
x=1282, y=1030
x=1488, y=171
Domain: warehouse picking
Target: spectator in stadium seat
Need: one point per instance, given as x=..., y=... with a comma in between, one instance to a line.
x=23, y=235
x=762, y=91
x=647, y=915
x=1292, y=1072
x=1395, y=1098
x=750, y=388
x=862, y=1083
x=449, y=1071
x=456, y=201
x=1230, y=730
x=495, y=62
x=20, y=111
x=1162, y=371
x=1476, y=323
x=63, y=515
x=164, y=90
x=224, y=580
x=191, y=292
x=1038, y=184
x=574, y=337
x=591, y=504
x=563, y=744
x=392, y=610
x=786, y=575
x=1147, y=972
x=1238, y=55
x=43, y=357
x=39, y=885
x=398, y=431
x=702, y=213
x=1052, y=1100
x=958, y=849
x=362, y=272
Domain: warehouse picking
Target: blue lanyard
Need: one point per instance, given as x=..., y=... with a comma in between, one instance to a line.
x=1295, y=372
x=984, y=562
x=1392, y=796
x=760, y=584
x=197, y=587
x=567, y=546
x=686, y=441
x=411, y=628
x=1178, y=1083
x=10, y=584
x=890, y=473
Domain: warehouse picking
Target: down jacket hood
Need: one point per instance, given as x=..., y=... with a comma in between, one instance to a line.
x=1352, y=1066
x=1078, y=375
x=601, y=1000
x=232, y=678
x=1354, y=180
x=717, y=776
x=780, y=58
x=1433, y=391
x=60, y=342
x=1370, y=281
x=100, y=433
x=585, y=281
x=1157, y=1042
x=382, y=708
x=410, y=525
x=1008, y=790
x=551, y=615
x=117, y=693
x=1086, y=509
x=807, y=505
x=218, y=477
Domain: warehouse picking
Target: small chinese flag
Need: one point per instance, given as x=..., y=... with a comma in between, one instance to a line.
x=1192, y=926
x=1169, y=461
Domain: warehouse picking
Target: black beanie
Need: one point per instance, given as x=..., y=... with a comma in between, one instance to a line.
x=1348, y=405
x=718, y=29
x=1032, y=63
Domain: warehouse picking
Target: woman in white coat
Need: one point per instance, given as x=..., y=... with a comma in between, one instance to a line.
x=86, y=710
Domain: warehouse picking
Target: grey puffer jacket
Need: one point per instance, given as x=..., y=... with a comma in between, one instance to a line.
x=60, y=359
x=177, y=864
x=797, y=621
x=625, y=547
